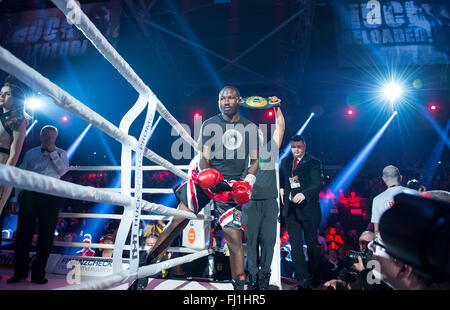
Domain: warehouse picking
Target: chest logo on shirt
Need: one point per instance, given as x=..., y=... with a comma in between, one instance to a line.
x=232, y=139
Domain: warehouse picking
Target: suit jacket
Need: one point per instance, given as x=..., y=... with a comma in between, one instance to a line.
x=310, y=173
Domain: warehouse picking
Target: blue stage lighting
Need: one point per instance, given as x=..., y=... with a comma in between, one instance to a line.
x=433, y=160
x=71, y=150
x=436, y=127
x=31, y=127
x=346, y=177
x=393, y=91
x=34, y=103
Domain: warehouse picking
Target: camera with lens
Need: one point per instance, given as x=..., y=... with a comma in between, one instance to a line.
x=366, y=256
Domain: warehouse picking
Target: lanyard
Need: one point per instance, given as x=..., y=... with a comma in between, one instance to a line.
x=293, y=167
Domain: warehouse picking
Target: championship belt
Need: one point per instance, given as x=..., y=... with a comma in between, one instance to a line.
x=258, y=102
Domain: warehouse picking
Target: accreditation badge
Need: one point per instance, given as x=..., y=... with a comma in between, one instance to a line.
x=294, y=181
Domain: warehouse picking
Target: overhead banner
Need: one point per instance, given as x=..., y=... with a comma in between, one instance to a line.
x=47, y=34
x=377, y=32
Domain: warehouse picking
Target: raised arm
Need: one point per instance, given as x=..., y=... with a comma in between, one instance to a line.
x=279, y=127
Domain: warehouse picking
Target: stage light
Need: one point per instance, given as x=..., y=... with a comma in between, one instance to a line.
x=65, y=119
x=349, y=173
x=270, y=113
x=350, y=112
x=197, y=114
x=34, y=103
x=31, y=127
x=392, y=91
x=433, y=107
x=71, y=150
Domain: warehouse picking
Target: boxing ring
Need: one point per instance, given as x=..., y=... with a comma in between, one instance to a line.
x=132, y=205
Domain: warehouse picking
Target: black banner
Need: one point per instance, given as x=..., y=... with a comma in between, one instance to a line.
x=414, y=32
x=47, y=34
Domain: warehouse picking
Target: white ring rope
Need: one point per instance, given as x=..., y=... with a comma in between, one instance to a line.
x=143, y=272
x=110, y=246
x=117, y=168
x=132, y=205
x=144, y=191
x=110, y=216
x=16, y=177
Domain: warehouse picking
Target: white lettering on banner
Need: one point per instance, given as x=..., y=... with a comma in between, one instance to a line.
x=390, y=23
x=374, y=15
x=74, y=275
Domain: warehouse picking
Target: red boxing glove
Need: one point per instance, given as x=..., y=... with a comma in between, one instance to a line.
x=209, y=178
x=241, y=192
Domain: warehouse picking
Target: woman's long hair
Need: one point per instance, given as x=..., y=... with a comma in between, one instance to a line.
x=17, y=114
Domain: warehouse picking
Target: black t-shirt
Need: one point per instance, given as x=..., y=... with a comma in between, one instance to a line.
x=266, y=179
x=230, y=143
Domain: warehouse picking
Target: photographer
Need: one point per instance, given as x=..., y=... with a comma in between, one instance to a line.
x=355, y=274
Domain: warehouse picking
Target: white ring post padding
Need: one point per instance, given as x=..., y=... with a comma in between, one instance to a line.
x=117, y=168
x=71, y=9
x=14, y=66
x=143, y=272
x=125, y=181
x=138, y=180
x=32, y=181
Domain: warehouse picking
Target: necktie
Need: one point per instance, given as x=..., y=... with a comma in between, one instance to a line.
x=296, y=163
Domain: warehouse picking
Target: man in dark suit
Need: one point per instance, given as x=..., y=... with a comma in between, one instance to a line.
x=301, y=180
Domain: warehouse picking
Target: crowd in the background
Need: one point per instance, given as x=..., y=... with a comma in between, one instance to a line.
x=339, y=233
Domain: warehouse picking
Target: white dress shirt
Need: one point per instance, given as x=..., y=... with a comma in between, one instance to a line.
x=54, y=164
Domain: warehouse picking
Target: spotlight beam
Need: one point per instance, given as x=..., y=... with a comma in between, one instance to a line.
x=431, y=165
x=71, y=150
x=31, y=127
x=443, y=135
x=344, y=179
x=287, y=149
